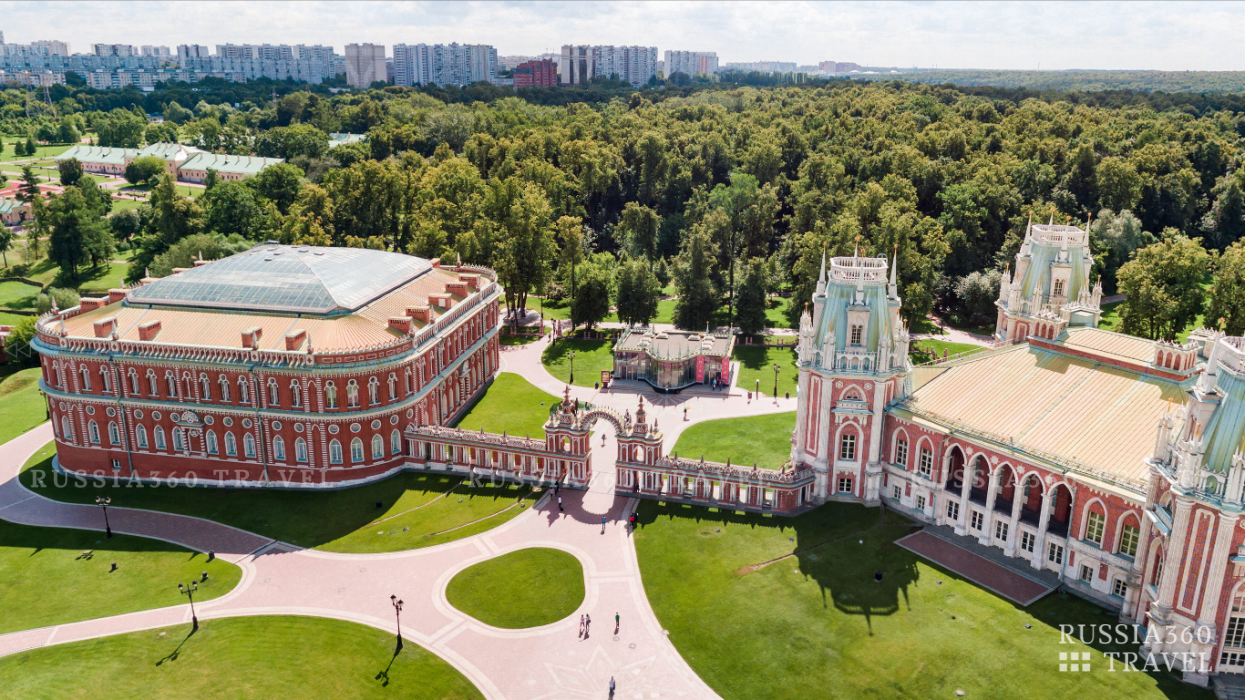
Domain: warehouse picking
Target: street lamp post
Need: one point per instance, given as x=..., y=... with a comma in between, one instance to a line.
x=776, y=370
x=572, y=356
x=103, y=502
x=397, y=613
x=189, y=592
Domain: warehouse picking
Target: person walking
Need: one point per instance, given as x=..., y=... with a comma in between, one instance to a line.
x=602, y=524
x=587, y=625
x=611, y=686
x=560, y=504
x=617, y=624
x=581, y=626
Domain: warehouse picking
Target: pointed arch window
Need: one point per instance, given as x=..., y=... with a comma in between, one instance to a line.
x=140, y=436
x=300, y=450
x=395, y=442
x=244, y=390
x=224, y=388
x=274, y=396
x=356, y=450
x=330, y=396
x=134, y=387
x=179, y=440
x=278, y=448
x=231, y=445
x=153, y=389
x=352, y=394
x=335, y=452
x=104, y=383
x=114, y=435
x=92, y=431
x=378, y=447
x=248, y=445
x=212, y=446
x=373, y=390
x=158, y=431
x=393, y=387
x=86, y=378
x=205, y=388
x=170, y=383
x=296, y=394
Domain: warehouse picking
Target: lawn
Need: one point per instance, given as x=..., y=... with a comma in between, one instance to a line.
x=767, y=607
x=665, y=313
x=246, y=657
x=22, y=407
x=528, y=588
x=61, y=575
x=756, y=362
x=508, y=340
x=765, y=440
x=99, y=280
x=511, y=404
x=18, y=295
x=40, y=151
x=417, y=509
x=918, y=352
x=1110, y=320
x=591, y=358
x=123, y=204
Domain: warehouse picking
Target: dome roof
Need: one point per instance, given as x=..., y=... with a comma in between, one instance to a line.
x=292, y=279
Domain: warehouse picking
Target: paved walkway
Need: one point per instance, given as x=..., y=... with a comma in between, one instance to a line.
x=531, y=664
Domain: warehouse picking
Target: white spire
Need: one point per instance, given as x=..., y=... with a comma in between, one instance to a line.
x=821, y=277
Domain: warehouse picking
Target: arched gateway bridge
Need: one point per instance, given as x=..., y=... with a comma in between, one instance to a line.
x=641, y=467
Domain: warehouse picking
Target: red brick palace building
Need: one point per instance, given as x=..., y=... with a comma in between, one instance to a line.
x=283, y=365
x=1113, y=462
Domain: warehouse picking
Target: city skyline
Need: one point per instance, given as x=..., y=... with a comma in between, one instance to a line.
x=1007, y=36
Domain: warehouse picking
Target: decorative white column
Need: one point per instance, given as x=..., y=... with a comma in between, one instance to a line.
x=1218, y=567
x=1039, y=546
x=966, y=484
x=1013, y=524
x=992, y=492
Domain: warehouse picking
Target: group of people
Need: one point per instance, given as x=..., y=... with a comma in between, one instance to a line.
x=585, y=624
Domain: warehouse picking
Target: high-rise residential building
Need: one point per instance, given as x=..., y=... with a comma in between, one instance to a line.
x=365, y=64
x=185, y=51
x=634, y=64
x=158, y=51
x=444, y=64
x=691, y=62
x=120, y=50
x=47, y=47
x=542, y=73
x=842, y=67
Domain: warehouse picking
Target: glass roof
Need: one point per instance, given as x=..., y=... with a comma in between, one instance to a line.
x=300, y=279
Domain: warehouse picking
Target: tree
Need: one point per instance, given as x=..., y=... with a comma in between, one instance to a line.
x=161, y=132
x=1162, y=287
x=527, y=247
x=638, y=292
x=1114, y=237
x=592, y=300
x=976, y=293
x=67, y=132
x=752, y=300
x=292, y=141
x=209, y=180
x=64, y=299
x=176, y=113
x=70, y=171
x=173, y=217
x=1224, y=224
x=6, y=243
x=1227, y=292
x=280, y=184
x=232, y=207
x=200, y=246
x=127, y=223
x=120, y=128
x=693, y=278
x=144, y=169
x=78, y=232
x=31, y=147
x=18, y=342
x=29, y=191
x=638, y=231
x=571, y=250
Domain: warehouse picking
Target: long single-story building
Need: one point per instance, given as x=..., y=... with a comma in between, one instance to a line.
x=186, y=163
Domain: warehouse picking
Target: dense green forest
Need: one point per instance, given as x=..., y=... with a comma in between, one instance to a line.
x=1084, y=80
x=725, y=191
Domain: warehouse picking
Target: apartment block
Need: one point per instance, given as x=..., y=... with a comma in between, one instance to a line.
x=690, y=62
x=532, y=74
x=444, y=64
x=634, y=64
x=365, y=64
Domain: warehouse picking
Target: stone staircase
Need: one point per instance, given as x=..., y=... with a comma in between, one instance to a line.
x=1229, y=686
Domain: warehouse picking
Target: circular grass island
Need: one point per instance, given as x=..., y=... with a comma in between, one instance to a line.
x=499, y=592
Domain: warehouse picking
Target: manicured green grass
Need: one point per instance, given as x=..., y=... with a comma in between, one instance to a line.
x=817, y=625
x=919, y=349
x=123, y=204
x=665, y=313
x=40, y=152
x=776, y=312
x=765, y=440
x=10, y=319
x=591, y=357
x=18, y=295
x=56, y=575
x=756, y=362
x=512, y=405
x=518, y=339
x=103, y=278
x=22, y=407
x=527, y=588
x=340, y=521
x=247, y=657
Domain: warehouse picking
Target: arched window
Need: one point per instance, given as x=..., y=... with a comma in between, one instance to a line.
x=373, y=390
x=278, y=448
x=847, y=446
x=378, y=447
x=152, y=388
x=212, y=447
x=407, y=378
x=134, y=388
x=901, y=452
x=248, y=445
x=296, y=394
x=335, y=452
x=140, y=434
x=158, y=431
x=86, y=378
x=114, y=435
x=395, y=442
x=205, y=388
x=103, y=380
x=170, y=383
x=352, y=394
x=188, y=386
x=330, y=396
x=300, y=450
x=356, y=450
x=244, y=391
x=274, y=396
x=60, y=376
x=179, y=441
x=92, y=431
x=224, y=388
x=393, y=387
x=231, y=444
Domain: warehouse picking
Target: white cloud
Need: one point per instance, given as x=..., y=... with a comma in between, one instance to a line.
x=1054, y=35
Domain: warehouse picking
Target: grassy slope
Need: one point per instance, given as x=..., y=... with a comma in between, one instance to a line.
x=58, y=575
x=22, y=407
x=500, y=591
x=939, y=347
x=512, y=404
x=816, y=625
x=252, y=657
x=591, y=357
x=757, y=362
x=765, y=440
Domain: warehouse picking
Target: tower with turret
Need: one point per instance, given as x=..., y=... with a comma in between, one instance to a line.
x=1050, y=289
x=853, y=356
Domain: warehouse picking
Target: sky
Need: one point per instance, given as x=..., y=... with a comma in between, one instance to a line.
x=999, y=35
